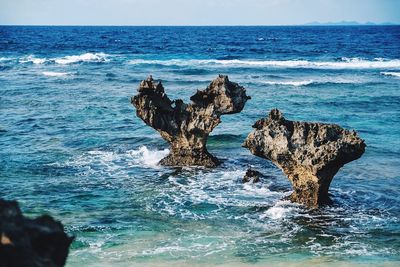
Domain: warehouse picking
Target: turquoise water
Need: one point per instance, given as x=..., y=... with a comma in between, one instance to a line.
x=71, y=145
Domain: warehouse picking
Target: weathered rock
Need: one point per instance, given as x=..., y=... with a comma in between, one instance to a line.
x=186, y=126
x=310, y=154
x=30, y=242
x=252, y=176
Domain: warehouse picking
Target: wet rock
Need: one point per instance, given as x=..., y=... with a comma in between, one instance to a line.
x=310, y=154
x=30, y=242
x=251, y=176
x=186, y=126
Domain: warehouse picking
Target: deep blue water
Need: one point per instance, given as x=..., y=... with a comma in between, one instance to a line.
x=71, y=145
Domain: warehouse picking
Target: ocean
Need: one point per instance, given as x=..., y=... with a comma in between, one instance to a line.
x=71, y=145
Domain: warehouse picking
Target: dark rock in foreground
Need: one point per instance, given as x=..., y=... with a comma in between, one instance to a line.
x=310, y=154
x=30, y=242
x=252, y=176
x=186, y=126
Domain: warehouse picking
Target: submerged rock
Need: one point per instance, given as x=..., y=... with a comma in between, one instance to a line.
x=310, y=154
x=30, y=242
x=252, y=176
x=186, y=126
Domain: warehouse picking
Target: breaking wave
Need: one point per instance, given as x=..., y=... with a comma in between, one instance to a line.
x=3, y=59
x=279, y=210
x=311, y=82
x=87, y=57
x=111, y=161
x=344, y=63
x=293, y=83
x=148, y=157
x=32, y=59
x=391, y=73
x=55, y=74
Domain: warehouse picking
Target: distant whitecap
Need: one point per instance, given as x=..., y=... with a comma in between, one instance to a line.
x=87, y=57
x=292, y=83
x=391, y=73
x=55, y=74
x=32, y=59
x=344, y=63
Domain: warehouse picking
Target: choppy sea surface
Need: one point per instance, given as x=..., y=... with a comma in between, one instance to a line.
x=71, y=144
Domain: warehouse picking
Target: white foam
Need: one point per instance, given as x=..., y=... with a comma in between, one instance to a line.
x=345, y=63
x=5, y=59
x=278, y=211
x=112, y=161
x=55, y=74
x=164, y=249
x=87, y=57
x=256, y=190
x=149, y=157
x=334, y=80
x=32, y=59
x=293, y=83
x=391, y=73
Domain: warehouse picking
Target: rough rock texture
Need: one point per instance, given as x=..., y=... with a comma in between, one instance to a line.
x=310, y=154
x=30, y=242
x=252, y=176
x=186, y=126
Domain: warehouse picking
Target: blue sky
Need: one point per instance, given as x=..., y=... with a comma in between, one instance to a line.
x=195, y=12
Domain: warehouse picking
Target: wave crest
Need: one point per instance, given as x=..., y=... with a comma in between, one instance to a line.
x=87, y=57
x=32, y=59
x=346, y=63
x=55, y=74
x=314, y=82
x=149, y=157
x=391, y=73
x=111, y=161
x=279, y=211
x=293, y=83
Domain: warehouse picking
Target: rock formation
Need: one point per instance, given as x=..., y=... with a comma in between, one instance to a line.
x=186, y=126
x=252, y=176
x=30, y=242
x=310, y=154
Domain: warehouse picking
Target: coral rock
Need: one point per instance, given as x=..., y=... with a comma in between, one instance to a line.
x=252, y=176
x=309, y=154
x=186, y=126
x=30, y=242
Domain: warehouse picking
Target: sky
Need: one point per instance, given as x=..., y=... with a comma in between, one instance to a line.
x=195, y=12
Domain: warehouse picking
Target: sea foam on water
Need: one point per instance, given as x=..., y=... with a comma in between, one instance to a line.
x=87, y=57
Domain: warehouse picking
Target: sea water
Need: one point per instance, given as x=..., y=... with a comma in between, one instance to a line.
x=71, y=145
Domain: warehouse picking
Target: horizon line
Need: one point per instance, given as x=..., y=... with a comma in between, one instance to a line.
x=206, y=25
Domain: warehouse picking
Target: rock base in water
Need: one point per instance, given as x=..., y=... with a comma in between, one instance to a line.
x=251, y=176
x=30, y=242
x=190, y=158
x=310, y=154
x=186, y=126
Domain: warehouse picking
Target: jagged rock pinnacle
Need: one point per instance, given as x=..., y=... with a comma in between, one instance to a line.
x=309, y=154
x=186, y=126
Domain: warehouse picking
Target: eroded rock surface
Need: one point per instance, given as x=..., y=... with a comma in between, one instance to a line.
x=310, y=154
x=30, y=242
x=251, y=176
x=186, y=126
